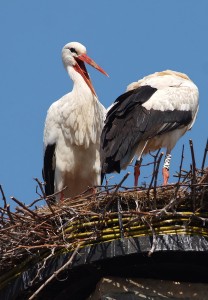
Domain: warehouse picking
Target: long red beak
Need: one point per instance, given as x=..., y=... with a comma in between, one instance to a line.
x=91, y=62
x=80, y=68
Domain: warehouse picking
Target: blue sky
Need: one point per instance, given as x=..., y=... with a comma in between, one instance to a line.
x=129, y=39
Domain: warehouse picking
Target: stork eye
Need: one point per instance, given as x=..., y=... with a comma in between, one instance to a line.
x=73, y=50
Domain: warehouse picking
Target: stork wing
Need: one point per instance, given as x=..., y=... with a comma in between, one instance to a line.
x=49, y=169
x=128, y=123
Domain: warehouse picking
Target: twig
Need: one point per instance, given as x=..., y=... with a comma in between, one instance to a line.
x=165, y=209
x=35, y=201
x=43, y=266
x=154, y=241
x=156, y=175
x=49, y=205
x=55, y=273
x=107, y=183
x=193, y=161
x=49, y=200
x=204, y=157
x=114, y=193
x=9, y=214
x=120, y=221
x=15, y=215
x=181, y=164
x=3, y=196
x=193, y=174
x=180, y=170
x=40, y=184
x=153, y=173
x=25, y=207
x=188, y=175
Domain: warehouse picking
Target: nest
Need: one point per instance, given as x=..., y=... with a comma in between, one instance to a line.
x=29, y=236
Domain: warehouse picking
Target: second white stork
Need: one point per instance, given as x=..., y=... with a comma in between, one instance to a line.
x=72, y=130
x=154, y=113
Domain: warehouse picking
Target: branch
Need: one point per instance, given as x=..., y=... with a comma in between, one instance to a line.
x=114, y=193
x=154, y=168
x=25, y=207
x=156, y=174
x=193, y=174
x=3, y=196
x=55, y=273
x=180, y=173
x=193, y=162
x=204, y=157
x=40, y=184
x=9, y=214
x=120, y=221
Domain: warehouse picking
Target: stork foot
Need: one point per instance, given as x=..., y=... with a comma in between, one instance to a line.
x=165, y=173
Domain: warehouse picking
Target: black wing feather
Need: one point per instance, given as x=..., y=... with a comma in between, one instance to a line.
x=48, y=169
x=128, y=123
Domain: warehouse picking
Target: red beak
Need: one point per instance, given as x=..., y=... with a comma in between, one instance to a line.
x=80, y=68
x=91, y=62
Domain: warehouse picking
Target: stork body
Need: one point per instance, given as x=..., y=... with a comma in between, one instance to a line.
x=154, y=113
x=72, y=130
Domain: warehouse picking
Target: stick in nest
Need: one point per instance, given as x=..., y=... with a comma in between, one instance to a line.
x=68, y=263
x=204, y=157
x=116, y=189
x=3, y=196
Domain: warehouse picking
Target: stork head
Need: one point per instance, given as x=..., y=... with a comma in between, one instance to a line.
x=74, y=55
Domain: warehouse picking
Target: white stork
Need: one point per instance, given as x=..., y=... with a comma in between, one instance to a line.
x=154, y=113
x=72, y=130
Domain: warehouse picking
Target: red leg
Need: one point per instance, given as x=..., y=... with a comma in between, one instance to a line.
x=94, y=191
x=137, y=172
x=165, y=173
x=62, y=196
